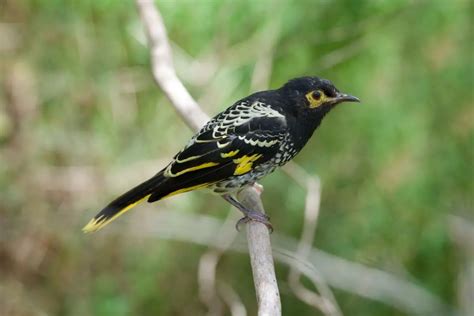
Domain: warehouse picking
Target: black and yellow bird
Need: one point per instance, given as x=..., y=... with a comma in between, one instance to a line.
x=238, y=147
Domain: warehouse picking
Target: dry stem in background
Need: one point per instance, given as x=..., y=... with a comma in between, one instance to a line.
x=325, y=300
x=214, y=293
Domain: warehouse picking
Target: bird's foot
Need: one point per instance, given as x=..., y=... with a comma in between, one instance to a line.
x=257, y=217
x=249, y=215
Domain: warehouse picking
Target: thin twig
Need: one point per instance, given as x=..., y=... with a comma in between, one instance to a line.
x=263, y=66
x=268, y=297
x=325, y=300
x=232, y=299
x=207, y=282
x=209, y=291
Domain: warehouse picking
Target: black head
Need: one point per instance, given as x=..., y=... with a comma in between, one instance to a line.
x=315, y=94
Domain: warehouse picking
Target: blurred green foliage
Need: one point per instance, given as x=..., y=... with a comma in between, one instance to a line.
x=81, y=120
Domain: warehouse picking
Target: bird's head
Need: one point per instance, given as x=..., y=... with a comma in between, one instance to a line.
x=315, y=94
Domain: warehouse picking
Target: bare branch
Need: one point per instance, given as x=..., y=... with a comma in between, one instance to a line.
x=260, y=250
x=163, y=69
x=268, y=297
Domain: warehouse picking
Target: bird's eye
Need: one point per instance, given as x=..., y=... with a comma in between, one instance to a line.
x=317, y=95
x=315, y=98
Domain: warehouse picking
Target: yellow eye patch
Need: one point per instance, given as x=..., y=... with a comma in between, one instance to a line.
x=316, y=98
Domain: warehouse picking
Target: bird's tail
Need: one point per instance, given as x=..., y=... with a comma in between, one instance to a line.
x=124, y=202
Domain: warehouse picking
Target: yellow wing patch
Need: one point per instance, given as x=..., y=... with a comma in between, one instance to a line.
x=201, y=166
x=244, y=163
x=194, y=187
x=97, y=223
x=230, y=154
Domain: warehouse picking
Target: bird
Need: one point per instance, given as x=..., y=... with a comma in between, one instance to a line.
x=237, y=147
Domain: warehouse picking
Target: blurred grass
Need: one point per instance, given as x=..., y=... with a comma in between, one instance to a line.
x=81, y=120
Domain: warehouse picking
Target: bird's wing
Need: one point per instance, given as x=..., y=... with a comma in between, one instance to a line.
x=233, y=143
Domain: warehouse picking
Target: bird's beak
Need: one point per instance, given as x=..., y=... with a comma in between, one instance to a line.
x=342, y=97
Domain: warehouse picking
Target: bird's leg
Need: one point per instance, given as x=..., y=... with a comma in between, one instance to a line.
x=250, y=215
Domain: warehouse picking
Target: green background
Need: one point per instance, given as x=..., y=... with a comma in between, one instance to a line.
x=81, y=121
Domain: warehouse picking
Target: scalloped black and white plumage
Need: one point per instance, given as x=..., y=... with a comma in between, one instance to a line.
x=238, y=146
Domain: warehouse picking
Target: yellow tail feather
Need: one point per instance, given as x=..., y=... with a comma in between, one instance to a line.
x=97, y=223
x=101, y=220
